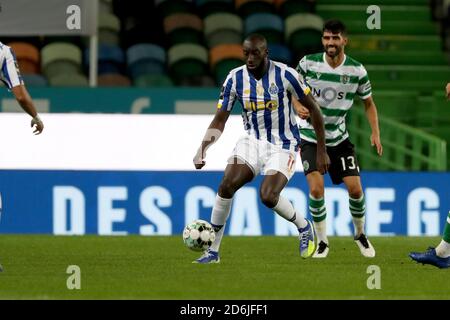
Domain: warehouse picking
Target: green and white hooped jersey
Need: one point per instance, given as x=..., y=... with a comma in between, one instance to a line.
x=334, y=91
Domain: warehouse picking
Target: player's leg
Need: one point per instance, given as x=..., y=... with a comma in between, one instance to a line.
x=316, y=202
x=357, y=207
x=439, y=257
x=318, y=212
x=278, y=169
x=236, y=175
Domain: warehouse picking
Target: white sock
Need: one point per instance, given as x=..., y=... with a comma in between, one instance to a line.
x=443, y=249
x=285, y=209
x=321, y=231
x=358, y=223
x=219, y=216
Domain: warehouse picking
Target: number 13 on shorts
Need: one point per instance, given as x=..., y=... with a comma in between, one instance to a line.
x=348, y=163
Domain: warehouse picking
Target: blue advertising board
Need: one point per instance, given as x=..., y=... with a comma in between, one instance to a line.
x=161, y=203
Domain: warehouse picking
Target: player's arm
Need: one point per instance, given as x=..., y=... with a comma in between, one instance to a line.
x=323, y=161
x=13, y=79
x=447, y=89
x=372, y=117
x=25, y=101
x=212, y=134
x=215, y=129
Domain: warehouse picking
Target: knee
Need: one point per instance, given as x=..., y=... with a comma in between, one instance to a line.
x=355, y=192
x=316, y=191
x=268, y=197
x=227, y=188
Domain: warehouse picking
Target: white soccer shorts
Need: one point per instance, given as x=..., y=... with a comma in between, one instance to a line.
x=263, y=156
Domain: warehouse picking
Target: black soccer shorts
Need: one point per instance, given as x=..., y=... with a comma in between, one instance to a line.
x=342, y=157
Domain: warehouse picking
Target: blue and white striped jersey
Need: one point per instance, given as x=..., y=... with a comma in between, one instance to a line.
x=267, y=103
x=9, y=69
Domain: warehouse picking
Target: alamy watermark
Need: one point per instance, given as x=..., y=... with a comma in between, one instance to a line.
x=74, y=280
x=374, y=20
x=374, y=280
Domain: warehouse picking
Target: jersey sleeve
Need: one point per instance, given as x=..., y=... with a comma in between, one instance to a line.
x=227, y=94
x=302, y=67
x=364, y=87
x=295, y=84
x=10, y=69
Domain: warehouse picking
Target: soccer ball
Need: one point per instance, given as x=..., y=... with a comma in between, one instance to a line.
x=198, y=235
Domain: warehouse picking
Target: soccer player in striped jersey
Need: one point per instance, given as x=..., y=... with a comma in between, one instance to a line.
x=335, y=79
x=10, y=76
x=265, y=89
x=439, y=256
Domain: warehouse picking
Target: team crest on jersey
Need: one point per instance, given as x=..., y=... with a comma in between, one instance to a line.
x=345, y=78
x=318, y=75
x=273, y=89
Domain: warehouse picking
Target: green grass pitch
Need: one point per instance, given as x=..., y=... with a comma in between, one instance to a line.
x=137, y=267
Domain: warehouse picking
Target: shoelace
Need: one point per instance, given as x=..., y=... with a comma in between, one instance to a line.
x=304, y=238
x=322, y=247
x=363, y=240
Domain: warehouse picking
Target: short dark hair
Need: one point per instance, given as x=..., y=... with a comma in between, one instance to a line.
x=335, y=26
x=257, y=37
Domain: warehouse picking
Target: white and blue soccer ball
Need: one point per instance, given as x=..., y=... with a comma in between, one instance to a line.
x=198, y=235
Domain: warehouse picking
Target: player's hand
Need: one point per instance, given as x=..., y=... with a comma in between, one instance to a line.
x=303, y=112
x=37, y=125
x=322, y=161
x=376, y=141
x=447, y=89
x=198, y=160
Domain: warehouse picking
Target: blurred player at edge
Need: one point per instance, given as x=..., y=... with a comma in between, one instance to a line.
x=265, y=89
x=10, y=76
x=439, y=257
x=335, y=79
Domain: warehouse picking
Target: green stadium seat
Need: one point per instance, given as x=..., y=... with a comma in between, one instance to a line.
x=183, y=28
x=168, y=7
x=267, y=24
x=153, y=80
x=287, y=8
x=223, y=28
x=394, y=42
x=108, y=29
x=187, y=60
x=388, y=12
x=223, y=58
x=60, y=58
x=72, y=80
x=208, y=7
x=248, y=7
x=303, y=33
x=404, y=57
x=223, y=68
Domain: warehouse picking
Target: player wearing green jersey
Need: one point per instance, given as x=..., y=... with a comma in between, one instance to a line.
x=335, y=79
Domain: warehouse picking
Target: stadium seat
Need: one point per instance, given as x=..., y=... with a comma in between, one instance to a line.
x=72, y=80
x=108, y=29
x=303, y=33
x=111, y=59
x=153, y=80
x=208, y=7
x=168, y=7
x=248, y=7
x=136, y=31
x=34, y=80
x=394, y=42
x=405, y=57
x=223, y=58
x=287, y=8
x=60, y=59
x=281, y=53
x=269, y=25
x=197, y=81
x=183, y=28
x=113, y=80
x=223, y=28
x=187, y=60
x=27, y=56
x=146, y=58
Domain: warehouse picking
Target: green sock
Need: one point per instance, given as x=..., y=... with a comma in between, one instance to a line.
x=358, y=211
x=446, y=235
x=317, y=208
